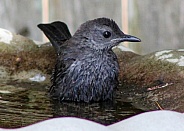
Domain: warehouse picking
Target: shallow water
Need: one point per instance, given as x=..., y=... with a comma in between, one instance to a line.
x=22, y=104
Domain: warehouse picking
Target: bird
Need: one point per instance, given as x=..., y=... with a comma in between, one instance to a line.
x=86, y=67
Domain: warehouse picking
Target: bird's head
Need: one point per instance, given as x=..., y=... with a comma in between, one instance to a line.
x=102, y=33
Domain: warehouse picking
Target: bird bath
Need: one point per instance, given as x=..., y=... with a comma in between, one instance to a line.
x=23, y=103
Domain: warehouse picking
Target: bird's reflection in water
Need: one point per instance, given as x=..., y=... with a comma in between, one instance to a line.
x=106, y=113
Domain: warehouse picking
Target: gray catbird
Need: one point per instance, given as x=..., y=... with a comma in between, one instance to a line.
x=86, y=68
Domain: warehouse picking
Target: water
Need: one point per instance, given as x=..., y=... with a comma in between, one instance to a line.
x=22, y=104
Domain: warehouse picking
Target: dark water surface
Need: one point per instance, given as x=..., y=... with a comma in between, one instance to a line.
x=22, y=104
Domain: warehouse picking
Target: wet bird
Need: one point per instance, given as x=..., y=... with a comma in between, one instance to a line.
x=86, y=68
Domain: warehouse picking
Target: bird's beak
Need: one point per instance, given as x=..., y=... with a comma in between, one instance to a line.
x=130, y=38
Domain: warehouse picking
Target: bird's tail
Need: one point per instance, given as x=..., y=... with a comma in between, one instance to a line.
x=57, y=32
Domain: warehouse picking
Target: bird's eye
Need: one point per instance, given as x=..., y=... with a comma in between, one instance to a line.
x=107, y=34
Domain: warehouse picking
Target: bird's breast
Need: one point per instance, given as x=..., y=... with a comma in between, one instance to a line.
x=94, y=68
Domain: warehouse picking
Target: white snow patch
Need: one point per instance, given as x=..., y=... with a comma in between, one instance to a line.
x=5, y=36
x=163, y=57
x=162, y=52
x=172, y=60
x=4, y=92
x=123, y=48
x=3, y=101
x=38, y=78
x=39, y=43
x=181, y=61
x=180, y=49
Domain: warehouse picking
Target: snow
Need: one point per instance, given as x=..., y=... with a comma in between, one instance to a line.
x=172, y=60
x=39, y=43
x=5, y=36
x=160, y=53
x=163, y=57
x=180, y=49
x=4, y=92
x=181, y=61
x=38, y=78
x=167, y=56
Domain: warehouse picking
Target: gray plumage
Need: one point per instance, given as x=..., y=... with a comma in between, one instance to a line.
x=86, y=68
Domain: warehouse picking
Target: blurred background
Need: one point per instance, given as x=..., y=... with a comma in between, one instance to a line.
x=159, y=23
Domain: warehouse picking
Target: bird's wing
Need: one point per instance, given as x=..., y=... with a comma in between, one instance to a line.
x=57, y=32
x=65, y=59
